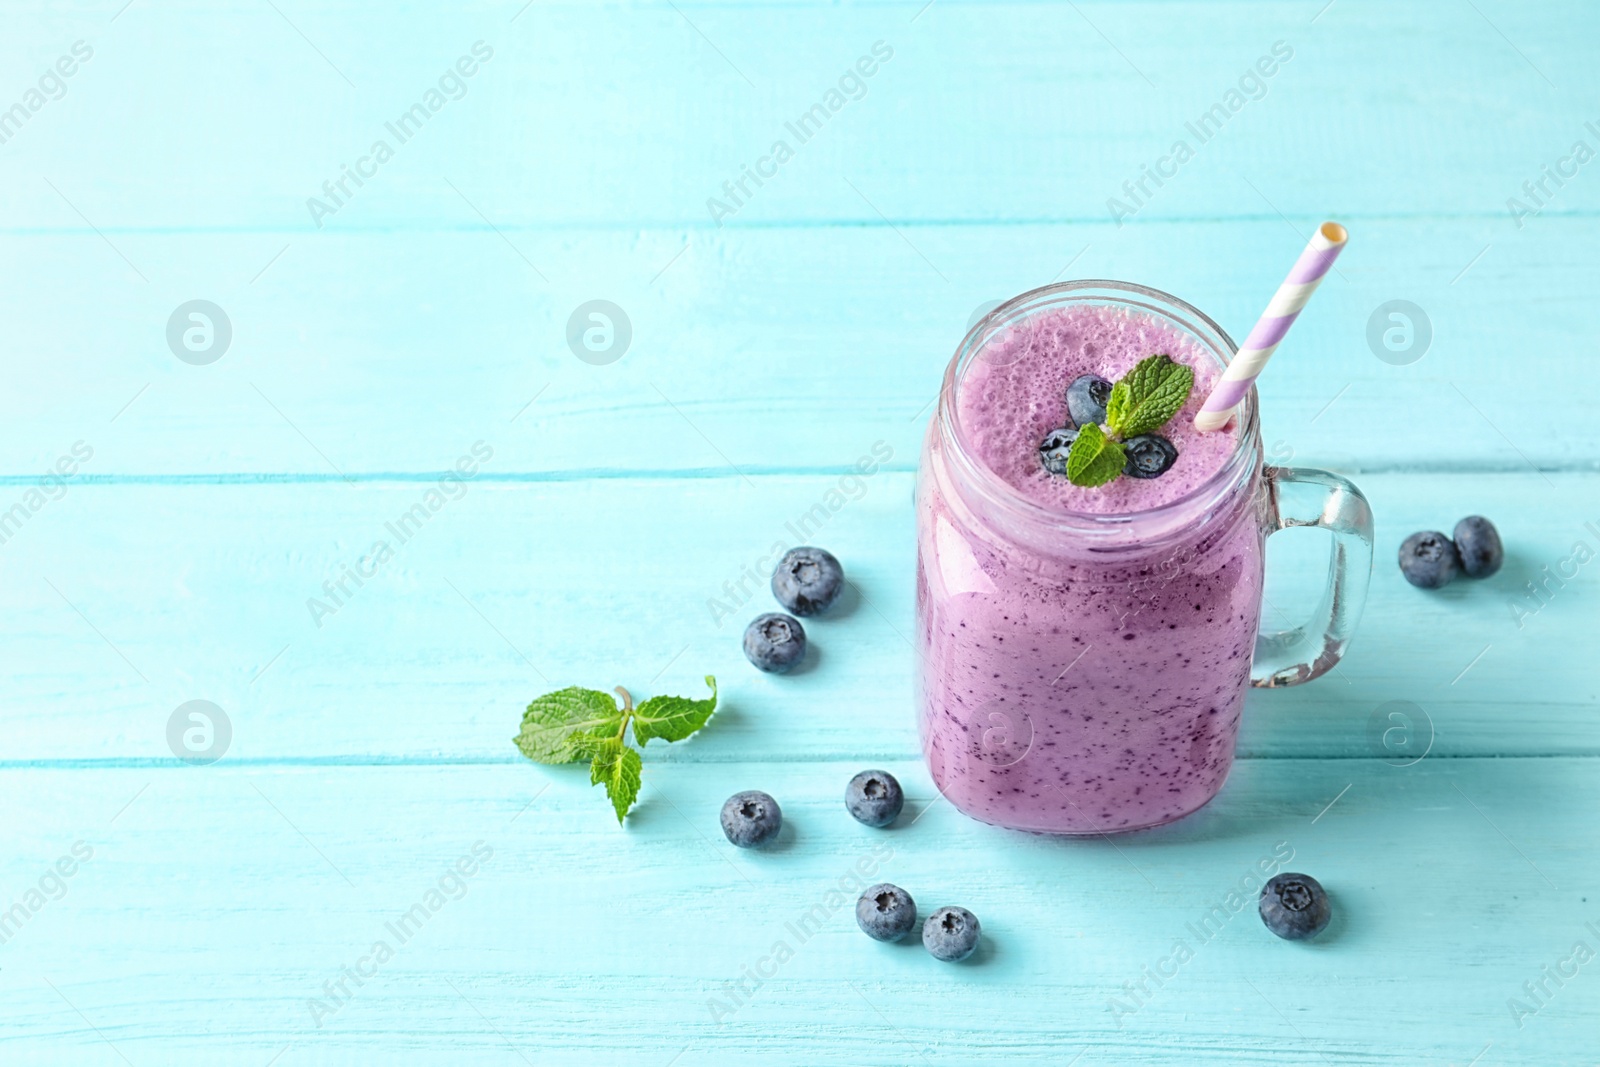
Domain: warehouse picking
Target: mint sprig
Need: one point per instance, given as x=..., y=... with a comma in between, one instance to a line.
x=1094, y=459
x=1143, y=401
x=585, y=724
x=619, y=768
x=563, y=726
x=1147, y=396
x=673, y=718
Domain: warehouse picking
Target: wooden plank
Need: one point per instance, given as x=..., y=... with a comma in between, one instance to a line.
x=764, y=349
x=126, y=601
x=1049, y=112
x=207, y=906
x=218, y=901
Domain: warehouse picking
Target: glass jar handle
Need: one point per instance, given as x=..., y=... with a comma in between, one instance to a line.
x=1301, y=497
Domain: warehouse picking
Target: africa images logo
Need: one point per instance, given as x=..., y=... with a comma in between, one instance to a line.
x=852, y=85
x=336, y=191
x=51, y=85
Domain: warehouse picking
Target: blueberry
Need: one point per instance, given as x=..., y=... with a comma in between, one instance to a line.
x=1149, y=456
x=1478, y=545
x=1295, y=906
x=1086, y=399
x=751, y=819
x=807, y=580
x=1429, y=560
x=775, y=642
x=874, y=798
x=1054, y=448
x=886, y=912
x=950, y=934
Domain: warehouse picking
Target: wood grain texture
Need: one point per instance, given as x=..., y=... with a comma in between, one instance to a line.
x=221, y=899
x=789, y=349
x=123, y=607
x=629, y=117
x=773, y=348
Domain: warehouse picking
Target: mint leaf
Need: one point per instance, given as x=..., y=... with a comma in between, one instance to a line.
x=673, y=718
x=1117, y=406
x=562, y=726
x=1095, y=459
x=618, y=767
x=572, y=724
x=1148, y=395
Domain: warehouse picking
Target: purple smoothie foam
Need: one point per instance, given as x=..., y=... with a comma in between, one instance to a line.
x=1067, y=689
x=1013, y=394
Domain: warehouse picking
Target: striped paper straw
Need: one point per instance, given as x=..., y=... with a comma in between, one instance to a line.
x=1325, y=246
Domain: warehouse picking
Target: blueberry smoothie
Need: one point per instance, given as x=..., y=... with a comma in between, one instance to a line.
x=1084, y=651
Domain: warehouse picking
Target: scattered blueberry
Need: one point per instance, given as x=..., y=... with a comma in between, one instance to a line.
x=1478, y=545
x=874, y=798
x=1054, y=448
x=751, y=819
x=807, y=580
x=1429, y=559
x=1295, y=906
x=950, y=934
x=1086, y=399
x=886, y=912
x=1149, y=456
x=775, y=642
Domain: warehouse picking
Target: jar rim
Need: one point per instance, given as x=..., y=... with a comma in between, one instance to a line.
x=1180, y=313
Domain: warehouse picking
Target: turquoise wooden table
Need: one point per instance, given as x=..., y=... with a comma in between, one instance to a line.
x=397, y=216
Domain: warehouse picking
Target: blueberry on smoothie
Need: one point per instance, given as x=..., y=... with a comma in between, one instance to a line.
x=1149, y=456
x=751, y=819
x=950, y=934
x=1295, y=906
x=775, y=642
x=1478, y=545
x=1054, y=448
x=807, y=580
x=1087, y=397
x=886, y=912
x=874, y=798
x=1429, y=560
